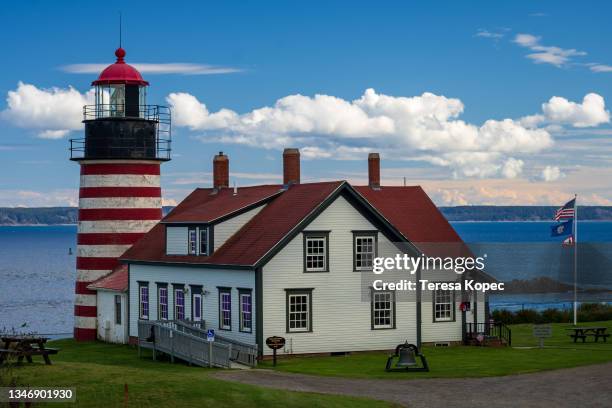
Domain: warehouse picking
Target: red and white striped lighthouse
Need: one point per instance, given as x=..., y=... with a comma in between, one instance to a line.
x=125, y=143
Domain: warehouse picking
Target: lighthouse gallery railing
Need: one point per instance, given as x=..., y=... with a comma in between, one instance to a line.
x=161, y=115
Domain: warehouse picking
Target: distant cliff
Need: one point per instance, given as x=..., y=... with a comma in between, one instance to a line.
x=36, y=216
x=68, y=215
x=42, y=215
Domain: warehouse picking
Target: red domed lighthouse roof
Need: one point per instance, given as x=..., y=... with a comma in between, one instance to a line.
x=120, y=73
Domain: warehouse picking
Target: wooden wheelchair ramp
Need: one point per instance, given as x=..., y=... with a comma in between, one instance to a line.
x=188, y=342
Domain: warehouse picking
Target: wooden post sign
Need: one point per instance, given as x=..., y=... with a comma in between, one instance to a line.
x=542, y=331
x=275, y=343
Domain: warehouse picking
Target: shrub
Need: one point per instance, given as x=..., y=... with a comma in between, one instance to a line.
x=588, y=312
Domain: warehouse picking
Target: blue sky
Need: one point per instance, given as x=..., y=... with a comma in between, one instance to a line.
x=480, y=61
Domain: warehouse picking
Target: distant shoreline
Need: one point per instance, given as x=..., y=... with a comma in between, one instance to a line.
x=40, y=216
x=39, y=225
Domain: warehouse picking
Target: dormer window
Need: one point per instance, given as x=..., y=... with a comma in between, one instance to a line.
x=203, y=241
x=194, y=240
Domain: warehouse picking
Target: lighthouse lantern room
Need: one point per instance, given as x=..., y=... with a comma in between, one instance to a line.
x=125, y=142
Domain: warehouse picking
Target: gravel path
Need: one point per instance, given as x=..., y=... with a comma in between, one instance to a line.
x=582, y=387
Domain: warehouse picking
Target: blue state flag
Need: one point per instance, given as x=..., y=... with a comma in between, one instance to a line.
x=562, y=229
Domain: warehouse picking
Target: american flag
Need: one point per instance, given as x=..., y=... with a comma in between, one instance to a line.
x=567, y=211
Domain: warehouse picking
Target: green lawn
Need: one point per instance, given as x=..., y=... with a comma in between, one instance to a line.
x=459, y=361
x=99, y=372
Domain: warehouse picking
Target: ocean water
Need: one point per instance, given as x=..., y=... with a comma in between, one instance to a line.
x=526, y=250
x=37, y=272
x=37, y=276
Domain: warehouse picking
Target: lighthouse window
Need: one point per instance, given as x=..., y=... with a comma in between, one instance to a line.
x=117, y=100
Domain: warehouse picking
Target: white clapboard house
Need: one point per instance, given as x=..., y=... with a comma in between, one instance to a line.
x=286, y=260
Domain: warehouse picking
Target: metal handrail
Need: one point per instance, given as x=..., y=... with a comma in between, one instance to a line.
x=161, y=115
x=242, y=352
x=496, y=329
x=162, y=337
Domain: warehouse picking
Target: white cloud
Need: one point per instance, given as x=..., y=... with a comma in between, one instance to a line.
x=477, y=164
x=543, y=54
x=182, y=68
x=241, y=178
x=600, y=67
x=512, y=168
x=591, y=112
x=552, y=173
x=53, y=134
x=425, y=126
x=31, y=198
x=560, y=111
x=489, y=34
x=52, y=112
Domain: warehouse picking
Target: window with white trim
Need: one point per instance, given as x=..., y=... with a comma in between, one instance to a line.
x=225, y=309
x=383, y=304
x=197, y=307
x=299, y=313
x=315, y=252
x=179, y=304
x=365, y=251
x=192, y=240
x=143, y=294
x=246, y=311
x=443, y=306
x=162, y=300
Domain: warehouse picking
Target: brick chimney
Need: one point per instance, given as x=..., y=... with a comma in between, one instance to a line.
x=220, y=171
x=291, y=166
x=374, y=170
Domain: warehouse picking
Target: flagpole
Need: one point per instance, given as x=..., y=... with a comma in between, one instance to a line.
x=575, y=259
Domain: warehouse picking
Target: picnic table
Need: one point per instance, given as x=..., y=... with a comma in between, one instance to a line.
x=583, y=332
x=25, y=347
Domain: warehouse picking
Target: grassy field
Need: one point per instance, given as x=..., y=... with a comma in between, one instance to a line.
x=99, y=372
x=559, y=352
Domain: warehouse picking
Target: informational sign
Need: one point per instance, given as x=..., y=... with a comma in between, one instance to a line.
x=210, y=335
x=275, y=343
x=541, y=332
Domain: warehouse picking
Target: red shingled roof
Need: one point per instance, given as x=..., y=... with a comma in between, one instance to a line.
x=252, y=241
x=207, y=204
x=272, y=223
x=117, y=280
x=408, y=209
x=412, y=212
